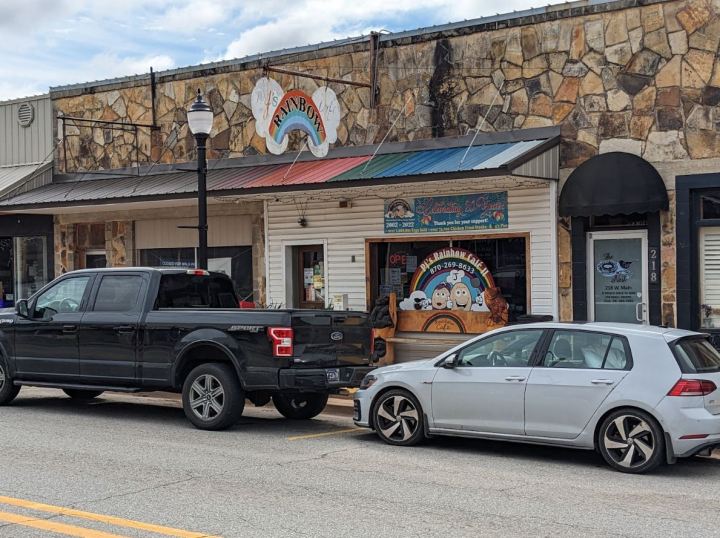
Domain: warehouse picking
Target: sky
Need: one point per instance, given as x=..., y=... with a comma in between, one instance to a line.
x=46, y=43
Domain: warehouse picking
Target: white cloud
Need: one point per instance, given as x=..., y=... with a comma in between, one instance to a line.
x=111, y=65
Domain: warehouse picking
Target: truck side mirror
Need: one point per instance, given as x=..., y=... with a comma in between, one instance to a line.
x=21, y=307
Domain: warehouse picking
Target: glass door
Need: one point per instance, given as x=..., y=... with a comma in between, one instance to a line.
x=617, y=276
x=311, y=274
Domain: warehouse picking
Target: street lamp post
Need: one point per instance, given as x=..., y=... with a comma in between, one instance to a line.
x=200, y=120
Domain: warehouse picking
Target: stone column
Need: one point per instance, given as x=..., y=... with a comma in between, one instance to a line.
x=119, y=243
x=258, y=259
x=668, y=275
x=65, y=247
x=565, y=271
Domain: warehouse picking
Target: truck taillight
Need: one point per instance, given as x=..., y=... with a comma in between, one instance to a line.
x=692, y=387
x=198, y=272
x=281, y=339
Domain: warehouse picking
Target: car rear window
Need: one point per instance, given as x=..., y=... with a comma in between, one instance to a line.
x=196, y=291
x=696, y=355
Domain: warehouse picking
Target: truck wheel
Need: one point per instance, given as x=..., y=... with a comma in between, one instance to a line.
x=82, y=395
x=212, y=397
x=300, y=406
x=8, y=391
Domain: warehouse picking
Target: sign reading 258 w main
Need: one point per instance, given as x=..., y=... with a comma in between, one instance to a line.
x=278, y=113
x=483, y=211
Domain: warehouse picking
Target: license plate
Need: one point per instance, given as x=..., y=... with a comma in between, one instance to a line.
x=333, y=375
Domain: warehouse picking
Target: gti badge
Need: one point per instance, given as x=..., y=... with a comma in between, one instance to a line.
x=336, y=336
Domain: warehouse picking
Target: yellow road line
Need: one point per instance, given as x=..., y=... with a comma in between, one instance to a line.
x=110, y=520
x=53, y=526
x=314, y=435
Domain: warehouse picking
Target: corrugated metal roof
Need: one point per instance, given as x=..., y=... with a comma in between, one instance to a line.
x=263, y=176
x=13, y=176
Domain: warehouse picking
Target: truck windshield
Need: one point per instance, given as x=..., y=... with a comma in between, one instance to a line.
x=195, y=291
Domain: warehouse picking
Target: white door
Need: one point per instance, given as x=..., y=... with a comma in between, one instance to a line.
x=617, y=276
x=485, y=392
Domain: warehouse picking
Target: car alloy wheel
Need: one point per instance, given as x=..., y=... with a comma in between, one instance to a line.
x=630, y=441
x=397, y=418
x=207, y=397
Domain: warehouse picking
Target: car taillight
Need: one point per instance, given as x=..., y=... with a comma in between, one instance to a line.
x=692, y=387
x=372, y=341
x=281, y=339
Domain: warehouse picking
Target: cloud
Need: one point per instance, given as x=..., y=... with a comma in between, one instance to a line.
x=111, y=65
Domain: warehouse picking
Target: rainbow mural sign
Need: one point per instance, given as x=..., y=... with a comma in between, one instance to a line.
x=278, y=113
x=450, y=284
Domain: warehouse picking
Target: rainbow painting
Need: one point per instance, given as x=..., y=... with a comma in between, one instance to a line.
x=438, y=266
x=297, y=111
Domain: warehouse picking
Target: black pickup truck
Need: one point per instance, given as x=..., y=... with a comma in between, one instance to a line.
x=144, y=329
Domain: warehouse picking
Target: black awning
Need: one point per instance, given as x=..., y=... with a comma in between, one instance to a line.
x=613, y=184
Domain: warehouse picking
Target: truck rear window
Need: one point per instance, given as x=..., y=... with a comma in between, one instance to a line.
x=696, y=355
x=195, y=291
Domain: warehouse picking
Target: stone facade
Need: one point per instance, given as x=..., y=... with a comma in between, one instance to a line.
x=640, y=77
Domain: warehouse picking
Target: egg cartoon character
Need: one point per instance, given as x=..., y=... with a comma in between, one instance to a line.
x=440, y=297
x=461, y=297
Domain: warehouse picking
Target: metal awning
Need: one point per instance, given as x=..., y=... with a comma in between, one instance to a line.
x=613, y=183
x=14, y=177
x=279, y=175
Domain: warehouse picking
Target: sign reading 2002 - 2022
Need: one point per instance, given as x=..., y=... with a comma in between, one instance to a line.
x=482, y=211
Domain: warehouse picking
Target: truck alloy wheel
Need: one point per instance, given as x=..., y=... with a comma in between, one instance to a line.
x=212, y=397
x=300, y=406
x=397, y=418
x=8, y=391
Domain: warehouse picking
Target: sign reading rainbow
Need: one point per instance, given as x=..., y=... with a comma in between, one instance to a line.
x=277, y=113
x=297, y=111
x=439, y=265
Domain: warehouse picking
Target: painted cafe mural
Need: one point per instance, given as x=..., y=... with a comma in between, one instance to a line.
x=452, y=290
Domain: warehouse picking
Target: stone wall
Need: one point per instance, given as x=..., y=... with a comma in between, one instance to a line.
x=641, y=79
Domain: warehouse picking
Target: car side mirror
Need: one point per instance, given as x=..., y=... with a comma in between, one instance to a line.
x=450, y=362
x=22, y=309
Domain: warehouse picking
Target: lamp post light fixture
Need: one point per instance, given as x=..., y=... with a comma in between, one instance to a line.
x=200, y=121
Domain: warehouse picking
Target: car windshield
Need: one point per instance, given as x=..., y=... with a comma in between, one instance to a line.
x=696, y=355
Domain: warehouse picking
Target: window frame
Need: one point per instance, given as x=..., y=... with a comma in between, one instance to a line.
x=531, y=360
x=540, y=357
x=142, y=297
x=83, y=303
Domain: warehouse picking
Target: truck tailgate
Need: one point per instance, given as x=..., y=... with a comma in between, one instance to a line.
x=329, y=338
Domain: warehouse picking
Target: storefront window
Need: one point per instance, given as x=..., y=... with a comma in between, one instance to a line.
x=7, y=292
x=463, y=278
x=30, y=266
x=236, y=262
x=710, y=205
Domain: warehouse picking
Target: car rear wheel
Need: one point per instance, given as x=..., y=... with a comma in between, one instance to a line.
x=397, y=418
x=78, y=394
x=631, y=441
x=212, y=397
x=301, y=406
x=8, y=391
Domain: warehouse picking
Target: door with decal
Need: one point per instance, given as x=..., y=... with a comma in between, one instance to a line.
x=617, y=276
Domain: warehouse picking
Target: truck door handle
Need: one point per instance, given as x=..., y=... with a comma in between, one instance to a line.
x=514, y=378
x=69, y=329
x=602, y=381
x=124, y=328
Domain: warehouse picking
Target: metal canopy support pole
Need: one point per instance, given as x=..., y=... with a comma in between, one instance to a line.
x=202, y=256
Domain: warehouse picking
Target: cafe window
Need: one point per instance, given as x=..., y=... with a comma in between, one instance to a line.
x=459, y=274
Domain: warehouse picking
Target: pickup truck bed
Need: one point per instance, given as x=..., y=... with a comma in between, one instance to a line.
x=150, y=329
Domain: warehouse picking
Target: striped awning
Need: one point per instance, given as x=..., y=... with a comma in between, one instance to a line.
x=451, y=162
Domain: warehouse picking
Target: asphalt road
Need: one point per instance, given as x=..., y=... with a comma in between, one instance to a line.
x=139, y=461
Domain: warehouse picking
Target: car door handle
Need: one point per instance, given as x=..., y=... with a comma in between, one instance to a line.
x=602, y=381
x=69, y=329
x=124, y=328
x=514, y=378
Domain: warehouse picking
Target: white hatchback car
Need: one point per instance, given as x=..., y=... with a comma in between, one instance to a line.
x=639, y=395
